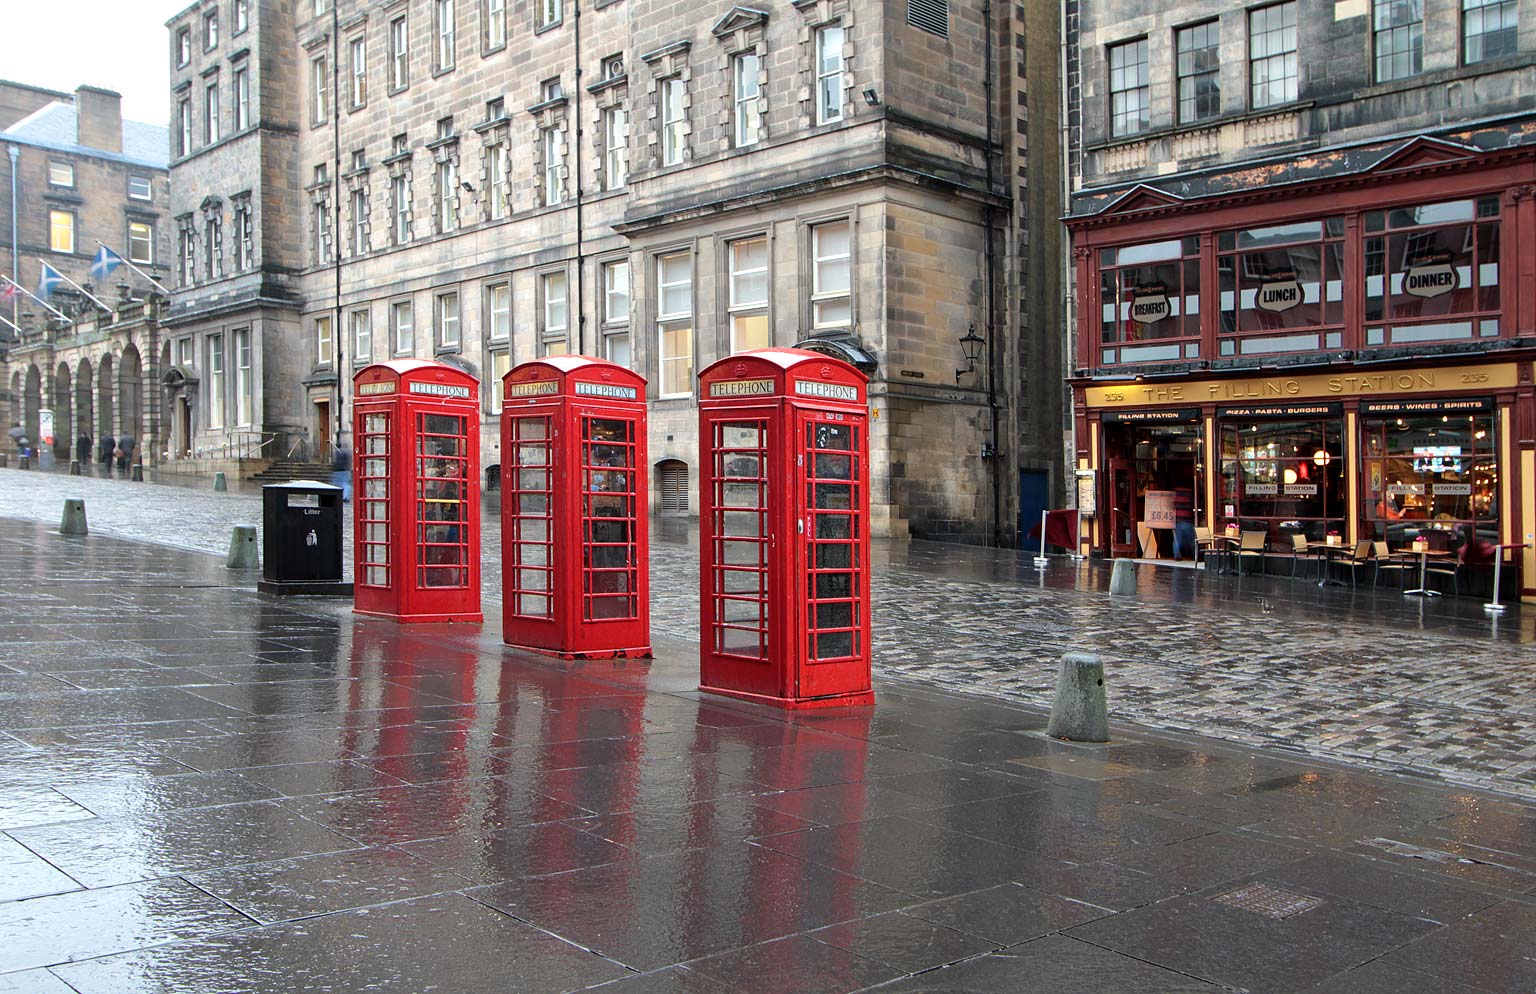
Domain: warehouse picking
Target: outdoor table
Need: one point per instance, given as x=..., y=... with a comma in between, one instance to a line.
x=1493, y=606
x=1226, y=547
x=1422, y=590
x=1330, y=553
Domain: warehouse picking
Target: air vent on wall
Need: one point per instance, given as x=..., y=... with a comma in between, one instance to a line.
x=929, y=15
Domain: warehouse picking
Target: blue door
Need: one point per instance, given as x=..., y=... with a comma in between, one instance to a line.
x=1034, y=498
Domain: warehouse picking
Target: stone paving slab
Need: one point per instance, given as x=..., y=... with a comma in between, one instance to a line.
x=1372, y=678
x=424, y=810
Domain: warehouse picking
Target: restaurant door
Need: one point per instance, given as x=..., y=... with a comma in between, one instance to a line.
x=1122, y=508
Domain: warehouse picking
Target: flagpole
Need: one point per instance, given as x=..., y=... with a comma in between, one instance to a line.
x=35, y=297
x=127, y=262
x=77, y=286
x=11, y=326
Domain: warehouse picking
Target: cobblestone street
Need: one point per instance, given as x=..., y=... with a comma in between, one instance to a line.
x=1423, y=687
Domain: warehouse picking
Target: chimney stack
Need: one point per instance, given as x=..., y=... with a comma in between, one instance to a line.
x=99, y=118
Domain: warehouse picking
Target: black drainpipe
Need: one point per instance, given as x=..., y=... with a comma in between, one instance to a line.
x=991, y=293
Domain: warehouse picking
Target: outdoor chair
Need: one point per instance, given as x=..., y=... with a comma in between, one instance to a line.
x=1360, y=557
x=1386, y=562
x=1251, y=546
x=1301, y=550
x=1444, y=568
x=1205, y=543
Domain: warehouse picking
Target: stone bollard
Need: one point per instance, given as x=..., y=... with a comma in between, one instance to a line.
x=5, y=459
x=138, y=472
x=242, y=548
x=73, y=522
x=1122, y=581
x=24, y=463
x=74, y=467
x=220, y=484
x=1079, y=712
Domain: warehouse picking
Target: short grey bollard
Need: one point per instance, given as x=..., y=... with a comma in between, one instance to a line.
x=1122, y=581
x=5, y=460
x=243, y=553
x=24, y=463
x=74, y=467
x=138, y=471
x=1079, y=713
x=73, y=522
x=219, y=483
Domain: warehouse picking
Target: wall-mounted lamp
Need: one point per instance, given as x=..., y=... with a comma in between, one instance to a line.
x=970, y=348
x=465, y=185
x=871, y=97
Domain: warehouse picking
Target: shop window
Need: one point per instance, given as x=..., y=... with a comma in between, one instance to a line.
x=1150, y=302
x=1282, y=288
x=1435, y=476
x=1283, y=477
x=1432, y=273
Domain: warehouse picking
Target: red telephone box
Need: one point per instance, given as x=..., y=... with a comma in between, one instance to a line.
x=784, y=530
x=574, y=549
x=415, y=495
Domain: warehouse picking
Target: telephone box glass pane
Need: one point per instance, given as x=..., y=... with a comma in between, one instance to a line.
x=442, y=501
x=373, y=485
x=740, y=560
x=531, y=518
x=833, y=493
x=609, y=555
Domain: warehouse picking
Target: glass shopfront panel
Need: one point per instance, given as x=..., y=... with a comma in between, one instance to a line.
x=1432, y=272
x=1283, y=477
x=1150, y=302
x=1282, y=288
x=1430, y=475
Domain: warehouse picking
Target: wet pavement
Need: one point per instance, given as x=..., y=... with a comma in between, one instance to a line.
x=203, y=790
x=1427, y=687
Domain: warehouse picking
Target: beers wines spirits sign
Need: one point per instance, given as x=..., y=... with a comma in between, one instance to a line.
x=1149, y=303
x=1279, y=291
x=1430, y=274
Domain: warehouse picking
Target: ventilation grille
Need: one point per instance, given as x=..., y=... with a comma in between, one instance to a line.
x=929, y=15
x=674, y=488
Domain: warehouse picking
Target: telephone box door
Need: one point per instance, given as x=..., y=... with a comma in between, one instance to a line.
x=832, y=542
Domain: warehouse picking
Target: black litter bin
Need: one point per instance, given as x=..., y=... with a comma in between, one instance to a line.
x=301, y=539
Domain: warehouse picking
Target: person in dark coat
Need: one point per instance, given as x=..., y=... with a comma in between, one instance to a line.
x=83, y=449
x=19, y=438
x=104, y=451
x=125, y=446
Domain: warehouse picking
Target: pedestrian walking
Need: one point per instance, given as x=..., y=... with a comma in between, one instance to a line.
x=19, y=438
x=125, y=447
x=105, y=452
x=83, y=449
x=341, y=469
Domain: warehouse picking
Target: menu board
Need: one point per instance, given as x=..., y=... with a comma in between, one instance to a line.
x=1158, y=511
x=1087, y=493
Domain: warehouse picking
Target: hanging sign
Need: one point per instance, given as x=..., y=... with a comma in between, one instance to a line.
x=1149, y=303
x=1279, y=291
x=1430, y=274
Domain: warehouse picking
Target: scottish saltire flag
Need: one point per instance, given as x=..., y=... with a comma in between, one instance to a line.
x=101, y=267
x=47, y=281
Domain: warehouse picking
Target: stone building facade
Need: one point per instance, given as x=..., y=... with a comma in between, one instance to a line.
x=655, y=182
x=1302, y=260
x=80, y=175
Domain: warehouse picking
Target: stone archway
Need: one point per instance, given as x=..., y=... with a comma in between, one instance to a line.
x=63, y=411
x=32, y=402
x=13, y=401
x=130, y=394
x=85, y=401
x=106, y=424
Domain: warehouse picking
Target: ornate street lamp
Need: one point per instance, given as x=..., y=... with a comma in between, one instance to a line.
x=970, y=348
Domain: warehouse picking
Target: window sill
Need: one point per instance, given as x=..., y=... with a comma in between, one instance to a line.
x=445, y=70
x=552, y=25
